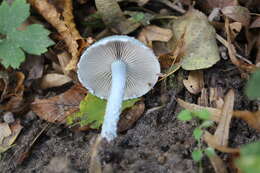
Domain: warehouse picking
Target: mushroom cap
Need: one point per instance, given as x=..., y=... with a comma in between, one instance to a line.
x=142, y=66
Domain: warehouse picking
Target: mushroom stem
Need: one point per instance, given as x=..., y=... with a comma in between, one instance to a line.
x=113, y=109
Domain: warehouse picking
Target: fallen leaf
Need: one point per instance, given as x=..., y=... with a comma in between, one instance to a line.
x=114, y=18
x=57, y=108
x=154, y=33
x=215, y=113
x=130, y=116
x=200, y=47
x=54, y=80
x=4, y=131
x=252, y=118
x=92, y=111
x=9, y=140
x=218, y=164
x=64, y=59
x=238, y=14
x=213, y=143
x=255, y=23
x=222, y=131
x=14, y=104
x=221, y=3
x=34, y=66
x=195, y=82
x=235, y=28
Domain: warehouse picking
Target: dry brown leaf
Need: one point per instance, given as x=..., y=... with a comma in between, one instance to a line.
x=34, y=66
x=54, y=80
x=66, y=29
x=114, y=18
x=221, y=3
x=232, y=51
x=215, y=113
x=15, y=104
x=256, y=23
x=222, y=131
x=252, y=118
x=9, y=140
x=195, y=82
x=237, y=13
x=212, y=142
x=130, y=116
x=57, y=108
x=4, y=131
x=218, y=164
x=235, y=28
x=154, y=33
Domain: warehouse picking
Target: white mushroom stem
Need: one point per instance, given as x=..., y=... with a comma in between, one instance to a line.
x=114, y=103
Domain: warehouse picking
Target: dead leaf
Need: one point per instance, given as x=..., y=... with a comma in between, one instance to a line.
x=221, y=3
x=54, y=80
x=222, y=131
x=114, y=18
x=4, y=131
x=212, y=142
x=255, y=23
x=200, y=47
x=238, y=14
x=15, y=104
x=235, y=28
x=218, y=164
x=154, y=33
x=64, y=59
x=130, y=116
x=57, y=108
x=195, y=82
x=34, y=66
x=7, y=141
x=215, y=113
x=252, y=118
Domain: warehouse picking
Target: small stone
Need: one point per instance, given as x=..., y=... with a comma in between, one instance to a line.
x=8, y=117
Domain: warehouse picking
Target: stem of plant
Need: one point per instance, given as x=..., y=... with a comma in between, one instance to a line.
x=113, y=109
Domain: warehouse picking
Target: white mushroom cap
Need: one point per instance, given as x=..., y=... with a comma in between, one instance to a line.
x=94, y=67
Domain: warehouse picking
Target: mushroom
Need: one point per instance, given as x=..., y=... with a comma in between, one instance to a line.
x=117, y=68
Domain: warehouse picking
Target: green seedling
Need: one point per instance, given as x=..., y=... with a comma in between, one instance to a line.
x=204, y=118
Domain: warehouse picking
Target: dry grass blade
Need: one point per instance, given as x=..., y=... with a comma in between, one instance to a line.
x=222, y=132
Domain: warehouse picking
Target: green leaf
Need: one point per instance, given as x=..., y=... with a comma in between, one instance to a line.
x=206, y=124
x=210, y=151
x=92, y=111
x=33, y=46
x=249, y=161
x=184, y=115
x=197, y=155
x=202, y=114
x=11, y=54
x=197, y=133
x=34, y=39
x=12, y=16
x=253, y=85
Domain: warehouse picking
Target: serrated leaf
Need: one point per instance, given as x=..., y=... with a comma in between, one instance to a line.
x=197, y=155
x=184, y=115
x=200, y=50
x=12, y=16
x=92, y=111
x=252, y=89
x=197, y=133
x=25, y=39
x=34, y=39
x=11, y=54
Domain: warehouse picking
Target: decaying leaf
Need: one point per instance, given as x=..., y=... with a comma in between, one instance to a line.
x=64, y=59
x=154, y=33
x=130, y=116
x=238, y=14
x=222, y=131
x=200, y=47
x=114, y=18
x=195, y=82
x=54, y=80
x=9, y=138
x=4, y=131
x=57, y=108
x=252, y=118
x=256, y=23
x=221, y=3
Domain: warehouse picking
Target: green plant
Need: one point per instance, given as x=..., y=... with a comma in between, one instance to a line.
x=252, y=88
x=204, y=118
x=249, y=160
x=15, y=38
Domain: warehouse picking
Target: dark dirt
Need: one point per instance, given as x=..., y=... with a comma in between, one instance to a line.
x=157, y=143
